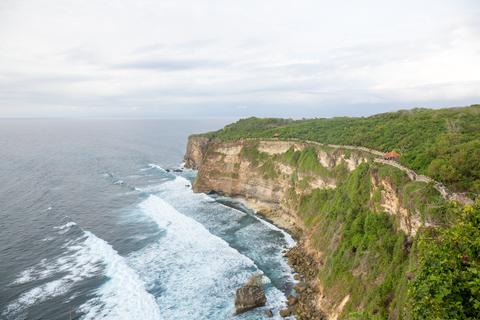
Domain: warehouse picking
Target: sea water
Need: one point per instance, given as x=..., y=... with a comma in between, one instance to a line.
x=94, y=224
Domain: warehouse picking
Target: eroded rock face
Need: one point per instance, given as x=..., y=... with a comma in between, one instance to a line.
x=196, y=148
x=248, y=297
x=390, y=202
x=225, y=169
x=222, y=168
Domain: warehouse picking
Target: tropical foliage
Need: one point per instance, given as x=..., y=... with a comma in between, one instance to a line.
x=386, y=273
x=447, y=284
x=443, y=143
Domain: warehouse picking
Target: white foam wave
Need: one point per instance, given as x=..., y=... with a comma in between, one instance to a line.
x=123, y=296
x=48, y=239
x=197, y=272
x=64, y=228
x=45, y=268
x=165, y=215
x=35, y=295
x=156, y=166
x=76, y=264
x=30, y=274
x=183, y=198
x=288, y=238
x=180, y=183
x=149, y=189
x=67, y=225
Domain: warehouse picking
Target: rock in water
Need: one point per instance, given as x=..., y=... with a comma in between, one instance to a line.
x=250, y=296
x=285, y=312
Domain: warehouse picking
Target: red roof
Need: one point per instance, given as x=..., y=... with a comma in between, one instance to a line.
x=392, y=154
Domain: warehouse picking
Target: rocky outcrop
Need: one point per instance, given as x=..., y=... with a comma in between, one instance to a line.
x=223, y=168
x=196, y=149
x=250, y=296
x=390, y=202
x=309, y=304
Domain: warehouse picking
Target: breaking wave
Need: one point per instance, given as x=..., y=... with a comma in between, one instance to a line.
x=122, y=296
x=195, y=272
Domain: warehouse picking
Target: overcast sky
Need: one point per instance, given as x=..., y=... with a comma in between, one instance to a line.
x=184, y=58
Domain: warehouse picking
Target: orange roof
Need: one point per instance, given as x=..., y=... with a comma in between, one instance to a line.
x=392, y=154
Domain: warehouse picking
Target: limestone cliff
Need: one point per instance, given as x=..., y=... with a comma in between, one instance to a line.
x=223, y=168
x=196, y=149
x=277, y=178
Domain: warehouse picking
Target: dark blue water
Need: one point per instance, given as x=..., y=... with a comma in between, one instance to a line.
x=94, y=225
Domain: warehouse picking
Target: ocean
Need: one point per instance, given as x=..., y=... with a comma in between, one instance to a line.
x=98, y=221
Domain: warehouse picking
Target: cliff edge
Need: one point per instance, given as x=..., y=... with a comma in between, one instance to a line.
x=377, y=239
x=321, y=194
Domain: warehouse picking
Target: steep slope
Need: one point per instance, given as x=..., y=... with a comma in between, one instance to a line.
x=355, y=218
x=378, y=239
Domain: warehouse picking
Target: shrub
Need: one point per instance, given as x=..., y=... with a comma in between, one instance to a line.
x=447, y=285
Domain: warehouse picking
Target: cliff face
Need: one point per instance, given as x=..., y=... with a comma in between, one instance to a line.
x=356, y=217
x=224, y=168
x=227, y=170
x=196, y=149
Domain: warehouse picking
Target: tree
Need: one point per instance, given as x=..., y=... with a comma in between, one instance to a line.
x=447, y=284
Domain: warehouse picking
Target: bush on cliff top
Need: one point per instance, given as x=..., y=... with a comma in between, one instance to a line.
x=444, y=143
x=447, y=284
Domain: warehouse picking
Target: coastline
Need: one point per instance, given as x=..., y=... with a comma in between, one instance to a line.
x=232, y=169
x=304, y=260
x=360, y=218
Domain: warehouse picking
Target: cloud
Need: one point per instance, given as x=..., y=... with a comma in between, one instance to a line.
x=172, y=65
x=189, y=58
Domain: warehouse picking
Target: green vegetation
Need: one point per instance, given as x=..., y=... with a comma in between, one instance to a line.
x=417, y=196
x=367, y=256
x=443, y=143
x=268, y=168
x=386, y=273
x=447, y=283
x=250, y=152
x=394, y=175
x=305, y=160
x=259, y=159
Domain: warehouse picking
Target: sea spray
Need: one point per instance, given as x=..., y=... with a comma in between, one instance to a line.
x=172, y=268
x=122, y=296
x=196, y=272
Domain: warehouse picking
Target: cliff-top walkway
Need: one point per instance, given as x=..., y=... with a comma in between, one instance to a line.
x=440, y=187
